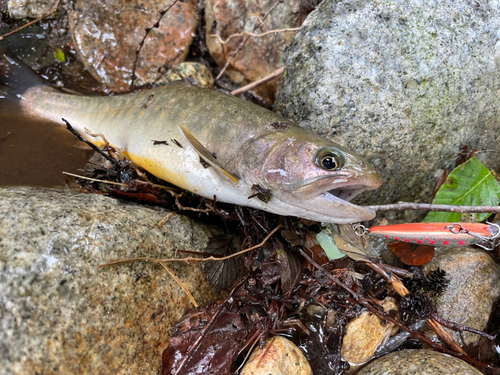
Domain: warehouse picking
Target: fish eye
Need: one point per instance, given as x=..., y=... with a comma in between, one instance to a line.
x=330, y=159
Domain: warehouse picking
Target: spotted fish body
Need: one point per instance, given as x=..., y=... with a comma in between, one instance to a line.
x=438, y=234
x=306, y=175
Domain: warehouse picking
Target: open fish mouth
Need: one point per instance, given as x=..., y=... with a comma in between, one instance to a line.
x=344, y=188
x=346, y=194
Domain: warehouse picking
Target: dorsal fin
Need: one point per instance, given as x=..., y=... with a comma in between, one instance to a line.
x=204, y=153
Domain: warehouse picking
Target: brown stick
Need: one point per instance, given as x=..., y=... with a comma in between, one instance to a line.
x=52, y=10
x=259, y=82
x=232, y=54
x=385, y=316
x=179, y=282
x=403, y=206
x=191, y=259
x=162, y=13
x=252, y=34
x=402, y=291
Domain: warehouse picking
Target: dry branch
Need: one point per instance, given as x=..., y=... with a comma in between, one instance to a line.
x=259, y=82
x=252, y=34
x=403, y=206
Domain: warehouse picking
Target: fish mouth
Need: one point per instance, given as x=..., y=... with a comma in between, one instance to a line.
x=345, y=187
x=346, y=194
x=329, y=201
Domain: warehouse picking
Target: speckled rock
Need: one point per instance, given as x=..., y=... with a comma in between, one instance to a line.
x=107, y=34
x=404, y=83
x=474, y=286
x=198, y=73
x=261, y=55
x=279, y=356
x=364, y=335
x=418, y=362
x=60, y=314
x=19, y=9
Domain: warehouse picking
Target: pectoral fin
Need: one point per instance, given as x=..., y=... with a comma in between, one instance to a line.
x=204, y=153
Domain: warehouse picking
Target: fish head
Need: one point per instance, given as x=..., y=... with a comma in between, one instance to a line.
x=309, y=176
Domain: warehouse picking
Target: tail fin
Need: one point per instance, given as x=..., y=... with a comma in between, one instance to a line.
x=15, y=79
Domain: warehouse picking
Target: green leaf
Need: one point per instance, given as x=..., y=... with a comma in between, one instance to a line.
x=328, y=244
x=59, y=55
x=470, y=184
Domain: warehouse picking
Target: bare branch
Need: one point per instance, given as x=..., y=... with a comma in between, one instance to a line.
x=141, y=44
x=252, y=34
x=191, y=259
x=183, y=287
x=257, y=25
x=259, y=82
x=403, y=206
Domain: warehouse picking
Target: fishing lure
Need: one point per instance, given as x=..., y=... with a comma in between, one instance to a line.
x=440, y=234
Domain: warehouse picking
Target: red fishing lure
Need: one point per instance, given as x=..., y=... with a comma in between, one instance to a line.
x=439, y=234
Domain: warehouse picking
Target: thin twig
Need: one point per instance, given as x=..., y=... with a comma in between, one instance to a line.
x=191, y=259
x=238, y=49
x=183, y=287
x=52, y=10
x=252, y=34
x=403, y=206
x=93, y=146
x=260, y=332
x=162, y=13
x=259, y=82
x=459, y=327
x=119, y=183
x=384, y=316
x=165, y=218
x=95, y=179
x=205, y=329
x=403, y=291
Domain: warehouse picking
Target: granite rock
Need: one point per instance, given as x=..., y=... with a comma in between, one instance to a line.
x=60, y=314
x=107, y=34
x=404, y=83
x=418, y=362
x=474, y=287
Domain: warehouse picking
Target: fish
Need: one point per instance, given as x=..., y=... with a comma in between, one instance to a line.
x=439, y=234
x=170, y=130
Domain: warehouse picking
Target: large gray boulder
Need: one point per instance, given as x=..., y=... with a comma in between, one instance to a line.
x=404, y=83
x=59, y=313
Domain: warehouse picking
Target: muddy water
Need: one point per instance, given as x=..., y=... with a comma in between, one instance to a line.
x=36, y=153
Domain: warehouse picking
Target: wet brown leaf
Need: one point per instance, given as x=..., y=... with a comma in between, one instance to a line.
x=412, y=254
x=214, y=352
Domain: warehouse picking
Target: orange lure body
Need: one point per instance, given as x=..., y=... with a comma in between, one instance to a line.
x=439, y=234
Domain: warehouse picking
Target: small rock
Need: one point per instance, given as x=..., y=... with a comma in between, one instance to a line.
x=279, y=356
x=107, y=35
x=418, y=362
x=404, y=84
x=60, y=314
x=474, y=286
x=261, y=55
x=199, y=74
x=19, y=9
x=365, y=333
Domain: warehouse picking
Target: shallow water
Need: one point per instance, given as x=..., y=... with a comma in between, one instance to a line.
x=36, y=153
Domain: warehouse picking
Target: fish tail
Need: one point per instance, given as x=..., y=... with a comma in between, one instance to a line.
x=16, y=79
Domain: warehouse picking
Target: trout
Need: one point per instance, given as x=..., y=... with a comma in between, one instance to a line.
x=248, y=147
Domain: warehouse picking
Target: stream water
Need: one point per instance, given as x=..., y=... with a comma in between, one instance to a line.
x=36, y=153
